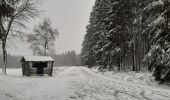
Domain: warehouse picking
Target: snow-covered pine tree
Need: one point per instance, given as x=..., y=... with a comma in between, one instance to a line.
x=101, y=55
x=158, y=14
x=136, y=7
x=117, y=33
x=90, y=39
x=117, y=30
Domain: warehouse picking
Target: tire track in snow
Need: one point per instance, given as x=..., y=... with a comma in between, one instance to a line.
x=7, y=96
x=92, y=86
x=117, y=92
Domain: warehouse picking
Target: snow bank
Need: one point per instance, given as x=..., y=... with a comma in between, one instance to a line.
x=144, y=78
x=139, y=78
x=116, y=86
x=13, y=72
x=58, y=70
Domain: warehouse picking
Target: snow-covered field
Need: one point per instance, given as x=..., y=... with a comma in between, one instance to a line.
x=80, y=83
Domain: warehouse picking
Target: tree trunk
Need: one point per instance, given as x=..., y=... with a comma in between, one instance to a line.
x=137, y=39
x=119, y=66
x=135, y=53
x=133, y=63
x=110, y=67
x=148, y=48
x=139, y=56
x=118, y=63
x=45, y=48
x=4, y=58
x=150, y=66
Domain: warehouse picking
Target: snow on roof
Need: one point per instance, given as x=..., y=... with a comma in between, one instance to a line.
x=37, y=58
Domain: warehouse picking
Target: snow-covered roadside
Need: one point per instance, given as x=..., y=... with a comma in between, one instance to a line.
x=144, y=78
x=95, y=86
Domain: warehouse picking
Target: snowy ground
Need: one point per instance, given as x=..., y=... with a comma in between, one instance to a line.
x=80, y=83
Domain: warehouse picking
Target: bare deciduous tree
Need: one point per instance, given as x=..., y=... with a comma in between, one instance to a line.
x=42, y=42
x=24, y=10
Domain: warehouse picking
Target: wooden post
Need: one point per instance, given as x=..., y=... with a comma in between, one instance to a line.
x=28, y=68
x=51, y=69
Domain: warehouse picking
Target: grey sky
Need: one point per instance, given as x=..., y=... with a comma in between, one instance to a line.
x=70, y=17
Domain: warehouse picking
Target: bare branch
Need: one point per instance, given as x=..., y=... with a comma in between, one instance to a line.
x=44, y=37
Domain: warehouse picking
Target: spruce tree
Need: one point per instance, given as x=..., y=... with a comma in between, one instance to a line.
x=158, y=14
x=92, y=36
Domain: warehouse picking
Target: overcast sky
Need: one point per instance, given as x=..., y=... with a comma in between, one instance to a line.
x=70, y=17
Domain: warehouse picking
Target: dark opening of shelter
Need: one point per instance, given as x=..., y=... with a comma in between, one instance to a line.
x=40, y=67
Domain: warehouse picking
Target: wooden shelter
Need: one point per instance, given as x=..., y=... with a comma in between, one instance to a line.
x=37, y=65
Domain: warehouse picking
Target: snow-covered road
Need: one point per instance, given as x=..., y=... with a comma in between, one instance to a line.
x=77, y=83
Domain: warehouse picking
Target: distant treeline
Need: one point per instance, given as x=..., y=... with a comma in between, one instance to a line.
x=66, y=59
x=13, y=61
